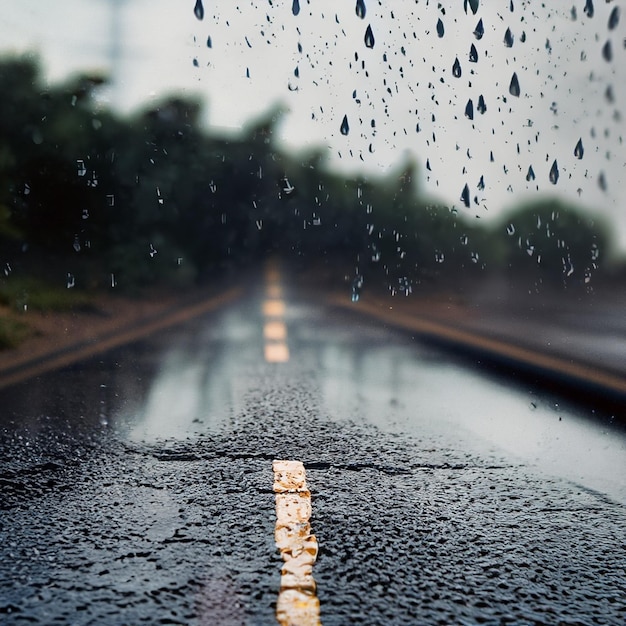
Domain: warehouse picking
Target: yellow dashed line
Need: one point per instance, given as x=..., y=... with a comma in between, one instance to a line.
x=297, y=604
x=274, y=328
x=274, y=308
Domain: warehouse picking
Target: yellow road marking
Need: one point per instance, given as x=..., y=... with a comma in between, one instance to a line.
x=274, y=308
x=274, y=290
x=297, y=604
x=276, y=352
x=275, y=331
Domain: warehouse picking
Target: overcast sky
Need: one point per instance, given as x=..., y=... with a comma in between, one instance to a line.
x=318, y=65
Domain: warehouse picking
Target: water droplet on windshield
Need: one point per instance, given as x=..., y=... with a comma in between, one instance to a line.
x=530, y=175
x=209, y=42
x=473, y=4
x=360, y=8
x=479, y=31
x=369, y=37
x=469, y=109
x=579, y=150
x=198, y=10
x=81, y=170
x=510, y=229
x=589, y=8
x=514, y=89
x=607, y=51
x=345, y=128
x=440, y=28
x=71, y=281
x=614, y=18
x=481, y=106
x=554, y=173
x=465, y=195
x=456, y=68
x=295, y=7
x=473, y=55
x=508, y=38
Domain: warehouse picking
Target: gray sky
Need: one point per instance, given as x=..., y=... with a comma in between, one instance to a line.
x=405, y=79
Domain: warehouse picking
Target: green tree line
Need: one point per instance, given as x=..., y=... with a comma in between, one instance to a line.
x=98, y=199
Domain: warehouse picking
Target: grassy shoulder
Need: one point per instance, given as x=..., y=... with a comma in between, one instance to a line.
x=19, y=295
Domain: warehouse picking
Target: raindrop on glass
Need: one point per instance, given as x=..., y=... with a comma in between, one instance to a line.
x=209, y=42
x=510, y=230
x=479, y=31
x=508, y=38
x=530, y=175
x=514, y=89
x=440, y=28
x=345, y=128
x=589, y=8
x=554, y=173
x=469, y=109
x=360, y=8
x=473, y=55
x=369, y=37
x=71, y=282
x=473, y=4
x=465, y=195
x=456, y=68
x=198, y=10
x=614, y=18
x=602, y=181
x=579, y=150
x=607, y=51
x=481, y=106
x=295, y=7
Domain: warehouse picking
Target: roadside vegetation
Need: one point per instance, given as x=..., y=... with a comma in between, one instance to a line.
x=93, y=201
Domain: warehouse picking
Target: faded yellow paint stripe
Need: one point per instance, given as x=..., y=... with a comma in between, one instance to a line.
x=297, y=604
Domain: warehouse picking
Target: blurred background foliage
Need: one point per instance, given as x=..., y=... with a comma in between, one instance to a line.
x=94, y=200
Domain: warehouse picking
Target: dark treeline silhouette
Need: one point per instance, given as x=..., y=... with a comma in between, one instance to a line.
x=157, y=198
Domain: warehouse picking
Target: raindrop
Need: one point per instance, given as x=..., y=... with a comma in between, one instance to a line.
x=464, y=239
x=473, y=4
x=456, y=68
x=514, y=89
x=481, y=183
x=481, y=106
x=80, y=167
x=473, y=55
x=479, y=31
x=369, y=37
x=469, y=109
x=554, y=173
x=510, y=230
x=345, y=128
x=209, y=42
x=530, y=174
x=439, y=257
x=76, y=244
x=602, y=181
x=607, y=51
x=360, y=8
x=614, y=18
x=465, y=196
x=579, y=150
x=589, y=8
x=508, y=38
x=71, y=282
x=152, y=251
x=198, y=10
x=440, y=28
x=295, y=7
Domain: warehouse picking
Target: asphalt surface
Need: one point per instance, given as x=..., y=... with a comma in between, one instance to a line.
x=136, y=486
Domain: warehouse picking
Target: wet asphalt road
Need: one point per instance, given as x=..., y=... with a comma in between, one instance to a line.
x=137, y=487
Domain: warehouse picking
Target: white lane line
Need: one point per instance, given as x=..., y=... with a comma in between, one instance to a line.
x=297, y=604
